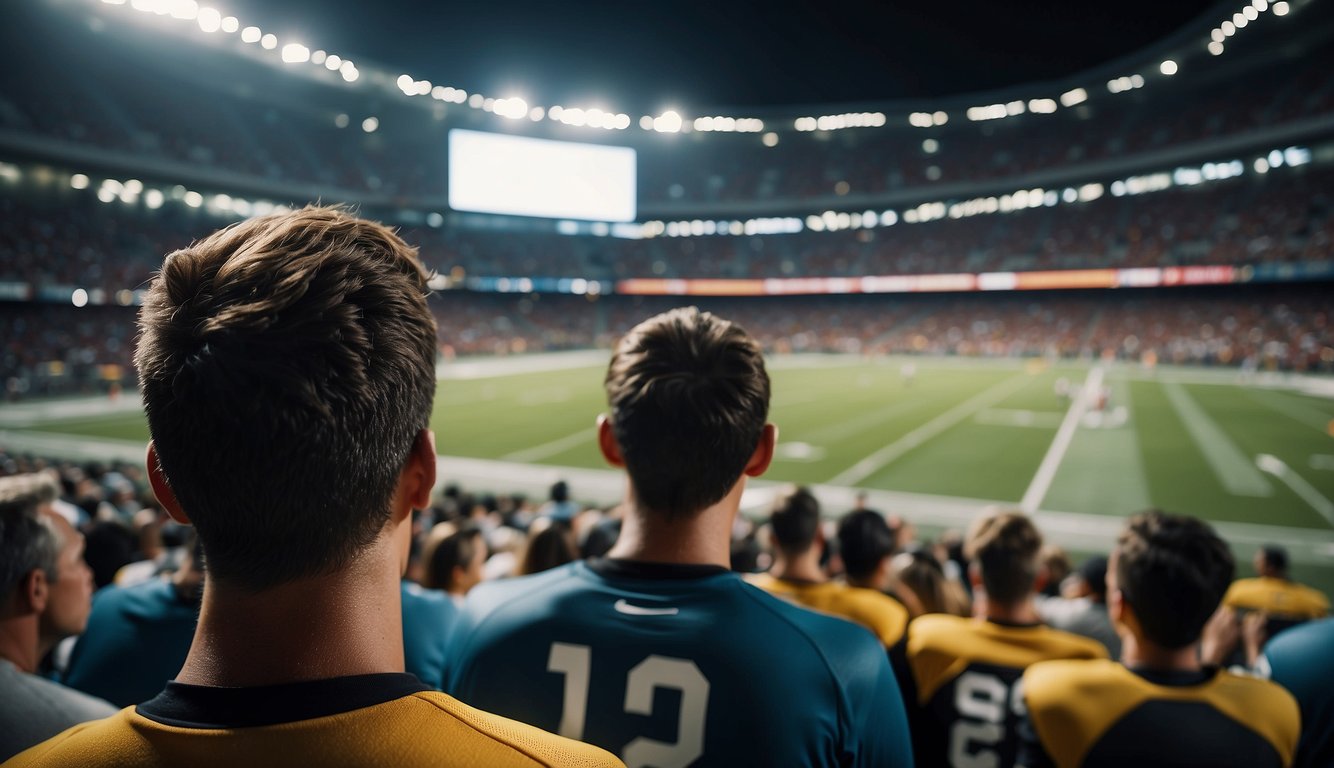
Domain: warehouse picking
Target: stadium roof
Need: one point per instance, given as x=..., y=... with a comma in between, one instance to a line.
x=739, y=53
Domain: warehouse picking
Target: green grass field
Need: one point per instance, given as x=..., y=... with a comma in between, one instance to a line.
x=970, y=432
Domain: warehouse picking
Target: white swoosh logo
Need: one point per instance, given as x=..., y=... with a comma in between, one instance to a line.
x=637, y=610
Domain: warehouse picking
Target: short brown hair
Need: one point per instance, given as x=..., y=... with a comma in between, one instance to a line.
x=1005, y=547
x=795, y=519
x=689, y=398
x=287, y=365
x=1173, y=570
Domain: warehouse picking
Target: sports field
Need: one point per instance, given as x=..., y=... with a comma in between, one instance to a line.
x=1254, y=455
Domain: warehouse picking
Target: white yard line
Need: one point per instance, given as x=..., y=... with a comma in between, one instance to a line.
x=1005, y=417
x=1234, y=469
x=1041, y=483
x=890, y=453
x=1275, y=466
x=545, y=450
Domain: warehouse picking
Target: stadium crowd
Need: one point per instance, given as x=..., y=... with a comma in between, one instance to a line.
x=279, y=626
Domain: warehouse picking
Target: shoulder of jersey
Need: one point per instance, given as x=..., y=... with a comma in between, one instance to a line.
x=821, y=627
x=490, y=596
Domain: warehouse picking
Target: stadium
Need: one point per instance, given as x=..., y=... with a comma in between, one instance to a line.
x=1078, y=289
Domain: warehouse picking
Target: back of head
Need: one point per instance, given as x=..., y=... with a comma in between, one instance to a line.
x=1005, y=547
x=287, y=365
x=456, y=550
x=1173, y=571
x=864, y=541
x=27, y=541
x=551, y=546
x=689, y=397
x=1275, y=560
x=795, y=520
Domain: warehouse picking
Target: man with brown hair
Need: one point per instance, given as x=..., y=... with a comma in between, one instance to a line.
x=1160, y=706
x=798, y=543
x=659, y=652
x=287, y=367
x=959, y=674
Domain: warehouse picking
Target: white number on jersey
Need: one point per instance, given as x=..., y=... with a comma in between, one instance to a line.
x=981, y=701
x=575, y=662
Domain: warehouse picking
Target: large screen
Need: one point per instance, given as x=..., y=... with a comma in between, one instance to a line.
x=494, y=173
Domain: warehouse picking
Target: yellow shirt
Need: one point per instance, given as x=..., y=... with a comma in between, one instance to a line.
x=1277, y=597
x=879, y=612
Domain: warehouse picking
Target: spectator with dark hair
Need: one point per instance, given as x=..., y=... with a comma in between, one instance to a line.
x=550, y=544
x=798, y=543
x=866, y=546
x=1159, y=706
x=454, y=563
x=138, y=636
x=558, y=505
x=919, y=581
x=658, y=650
x=287, y=365
x=45, y=593
x=1082, y=607
x=1272, y=592
x=958, y=674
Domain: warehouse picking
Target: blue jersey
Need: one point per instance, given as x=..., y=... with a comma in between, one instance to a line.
x=678, y=665
x=428, y=615
x=1301, y=659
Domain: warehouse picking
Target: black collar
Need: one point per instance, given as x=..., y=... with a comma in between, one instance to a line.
x=635, y=569
x=206, y=706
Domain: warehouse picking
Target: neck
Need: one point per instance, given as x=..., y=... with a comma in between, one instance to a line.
x=1021, y=612
x=20, y=642
x=1139, y=653
x=802, y=567
x=703, y=538
x=334, y=625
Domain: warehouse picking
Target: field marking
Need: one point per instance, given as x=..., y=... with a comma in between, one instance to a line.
x=887, y=455
x=1275, y=466
x=545, y=450
x=842, y=430
x=1041, y=483
x=1234, y=470
x=1005, y=417
x=1322, y=461
x=79, y=446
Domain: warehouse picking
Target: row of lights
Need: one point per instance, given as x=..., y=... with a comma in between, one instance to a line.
x=211, y=20
x=133, y=191
x=1219, y=35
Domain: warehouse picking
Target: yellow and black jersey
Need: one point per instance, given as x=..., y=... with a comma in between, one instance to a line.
x=1099, y=713
x=1279, y=598
x=958, y=676
x=389, y=719
x=876, y=611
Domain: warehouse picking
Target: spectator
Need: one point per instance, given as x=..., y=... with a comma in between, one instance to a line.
x=958, y=674
x=558, y=505
x=300, y=345
x=550, y=544
x=138, y=636
x=1300, y=661
x=1160, y=706
x=45, y=595
x=920, y=583
x=798, y=542
x=1284, y=602
x=1082, y=608
x=454, y=564
x=753, y=680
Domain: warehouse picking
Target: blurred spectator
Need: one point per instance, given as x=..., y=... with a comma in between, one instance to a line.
x=1272, y=592
x=454, y=562
x=550, y=543
x=1082, y=607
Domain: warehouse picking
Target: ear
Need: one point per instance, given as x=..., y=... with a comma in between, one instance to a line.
x=419, y=472
x=611, y=450
x=34, y=591
x=975, y=576
x=764, y=452
x=1040, y=582
x=161, y=489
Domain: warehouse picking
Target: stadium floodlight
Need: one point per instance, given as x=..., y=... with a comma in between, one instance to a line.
x=334, y=62
x=1229, y=29
x=209, y=20
x=318, y=57
x=194, y=199
x=668, y=122
x=1250, y=13
x=406, y=84
x=769, y=139
x=1260, y=5
x=349, y=72
x=1281, y=8
x=1168, y=67
x=370, y=124
x=114, y=2
x=79, y=297
x=230, y=24
x=154, y=198
x=1239, y=20
x=78, y=181
x=269, y=42
x=186, y=10
x=536, y=114
x=930, y=146
x=1074, y=96
x=251, y=34
x=1216, y=48
x=295, y=53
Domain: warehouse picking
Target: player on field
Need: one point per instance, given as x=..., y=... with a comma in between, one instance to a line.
x=288, y=369
x=1160, y=706
x=798, y=543
x=959, y=674
x=658, y=651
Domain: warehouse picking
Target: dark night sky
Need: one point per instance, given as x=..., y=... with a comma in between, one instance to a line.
x=743, y=53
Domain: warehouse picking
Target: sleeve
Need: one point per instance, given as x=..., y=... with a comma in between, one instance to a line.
x=879, y=722
x=1031, y=754
x=925, y=734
